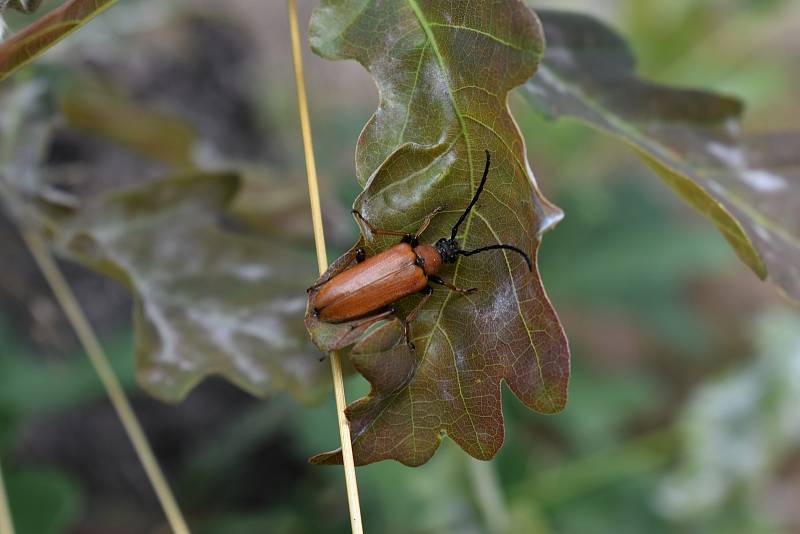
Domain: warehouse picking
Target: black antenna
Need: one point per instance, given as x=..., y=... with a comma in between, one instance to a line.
x=475, y=198
x=448, y=248
x=497, y=247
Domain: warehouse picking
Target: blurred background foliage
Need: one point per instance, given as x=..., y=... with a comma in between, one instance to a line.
x=682, y=414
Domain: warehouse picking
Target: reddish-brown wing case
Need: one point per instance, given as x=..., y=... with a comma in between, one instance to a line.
x=369, y=286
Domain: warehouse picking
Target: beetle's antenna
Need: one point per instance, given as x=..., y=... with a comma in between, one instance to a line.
x=475, y=198
x=449, y=248
x=497, y=247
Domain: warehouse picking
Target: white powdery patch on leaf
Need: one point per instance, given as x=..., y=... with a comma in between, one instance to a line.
x=758, y=179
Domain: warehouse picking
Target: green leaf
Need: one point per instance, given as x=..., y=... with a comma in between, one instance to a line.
x=747, y=186
x=44, y=501
x=37, y=38
x=443, y=72
x=206, y=301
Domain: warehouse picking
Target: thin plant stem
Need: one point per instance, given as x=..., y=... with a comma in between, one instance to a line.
x=322, y=260
x=116, y=394
x=489, y=496
x=6, y=524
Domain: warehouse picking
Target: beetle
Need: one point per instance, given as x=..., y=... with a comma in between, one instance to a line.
x=367, y=290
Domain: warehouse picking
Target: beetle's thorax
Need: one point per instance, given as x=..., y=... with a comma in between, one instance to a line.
x=429, y=259
x=448, y=249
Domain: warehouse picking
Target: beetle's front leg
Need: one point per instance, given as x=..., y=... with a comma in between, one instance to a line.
x=427, y=222
x=412, y=239
x=451, y=287
x=381, y=231
x=427, y=292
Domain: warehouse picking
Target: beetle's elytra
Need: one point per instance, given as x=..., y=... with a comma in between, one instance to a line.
x=368, y=288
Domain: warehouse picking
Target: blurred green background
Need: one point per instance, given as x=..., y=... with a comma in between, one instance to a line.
x=686, y=369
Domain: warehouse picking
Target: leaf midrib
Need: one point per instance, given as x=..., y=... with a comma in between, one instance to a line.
x=426, y=27
x=69, y=26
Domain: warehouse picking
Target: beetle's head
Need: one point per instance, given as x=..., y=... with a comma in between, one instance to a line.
x=449, y=249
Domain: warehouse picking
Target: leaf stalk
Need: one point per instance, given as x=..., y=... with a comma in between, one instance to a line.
x=488, y=495
x=6, y=524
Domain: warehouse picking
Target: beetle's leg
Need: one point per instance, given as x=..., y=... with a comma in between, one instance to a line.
x=355, y=329
x=380, y=231
x=451, y=287
x=426, y=292
x=427, y=222
x=371, y=319
x=412, y=239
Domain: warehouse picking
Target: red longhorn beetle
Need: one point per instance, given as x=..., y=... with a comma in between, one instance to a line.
x=367, y=290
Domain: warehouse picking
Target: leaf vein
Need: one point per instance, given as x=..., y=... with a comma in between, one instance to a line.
x=521, y=315
x=461, y=390
x=481, y=32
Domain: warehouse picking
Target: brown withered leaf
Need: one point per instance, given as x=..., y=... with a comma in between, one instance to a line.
x=443, y=70
x=97, y=108
x=29, y=43
x=207, y=301
x=749, y=187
